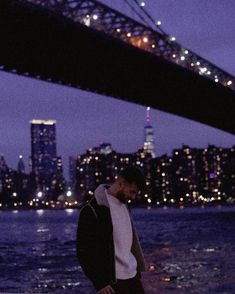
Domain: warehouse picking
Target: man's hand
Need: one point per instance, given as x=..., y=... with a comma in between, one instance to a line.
x=106, y=290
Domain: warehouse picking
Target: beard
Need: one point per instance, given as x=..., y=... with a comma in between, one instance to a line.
x=121, y=197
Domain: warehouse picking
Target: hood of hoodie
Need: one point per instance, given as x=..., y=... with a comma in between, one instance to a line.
x=100, y=195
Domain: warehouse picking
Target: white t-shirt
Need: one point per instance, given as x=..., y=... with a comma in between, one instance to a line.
x=125, y=262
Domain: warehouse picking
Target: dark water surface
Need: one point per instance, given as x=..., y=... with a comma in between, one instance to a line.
x=191, y=251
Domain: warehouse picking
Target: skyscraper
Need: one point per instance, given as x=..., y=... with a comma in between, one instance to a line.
x=21, y=166
x=45, y=164
x=149, y=146
x=43, y=147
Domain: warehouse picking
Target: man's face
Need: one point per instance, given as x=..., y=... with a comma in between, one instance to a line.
x=128, y=191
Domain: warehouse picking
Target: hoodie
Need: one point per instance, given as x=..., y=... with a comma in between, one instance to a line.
x=95, y=244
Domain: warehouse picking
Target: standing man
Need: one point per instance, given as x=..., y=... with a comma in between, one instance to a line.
x=108, y=247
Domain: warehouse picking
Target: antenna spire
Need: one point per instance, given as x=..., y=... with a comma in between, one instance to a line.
x=148, y=115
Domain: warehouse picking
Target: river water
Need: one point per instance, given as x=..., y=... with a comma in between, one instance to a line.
x=189, y=250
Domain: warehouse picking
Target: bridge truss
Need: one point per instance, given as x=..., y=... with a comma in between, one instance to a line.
x=100, y=17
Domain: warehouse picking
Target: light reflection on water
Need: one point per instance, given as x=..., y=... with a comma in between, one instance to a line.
x=15, y=211
x=187, y=251
x=40, y=211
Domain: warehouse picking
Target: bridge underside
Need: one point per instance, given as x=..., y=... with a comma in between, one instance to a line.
x=45, y=45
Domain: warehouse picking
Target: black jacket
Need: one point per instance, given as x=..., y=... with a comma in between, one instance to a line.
x=95, y=245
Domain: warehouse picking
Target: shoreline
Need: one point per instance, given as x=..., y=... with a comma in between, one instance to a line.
x=147, y=207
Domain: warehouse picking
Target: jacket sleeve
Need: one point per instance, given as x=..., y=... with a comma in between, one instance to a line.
x=87, y=248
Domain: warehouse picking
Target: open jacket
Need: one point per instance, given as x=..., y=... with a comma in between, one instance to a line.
x=95, y=244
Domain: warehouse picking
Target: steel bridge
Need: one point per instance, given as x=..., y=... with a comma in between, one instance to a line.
x=89, y=45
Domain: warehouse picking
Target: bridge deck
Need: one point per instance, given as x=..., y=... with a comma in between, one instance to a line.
x=51, y=47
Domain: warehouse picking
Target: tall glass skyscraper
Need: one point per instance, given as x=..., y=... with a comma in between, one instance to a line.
x=149, y=146
x=43, y=148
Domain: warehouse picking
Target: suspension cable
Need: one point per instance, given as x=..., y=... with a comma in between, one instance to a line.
x=136, y=12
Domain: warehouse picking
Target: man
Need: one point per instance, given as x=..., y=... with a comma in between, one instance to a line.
x=108, y=247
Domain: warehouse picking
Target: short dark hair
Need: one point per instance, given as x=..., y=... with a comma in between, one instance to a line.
x=133, y=175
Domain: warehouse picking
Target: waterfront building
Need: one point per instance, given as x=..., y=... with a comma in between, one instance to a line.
x=186, y=180
x=211, y=173
x=7, y=182
x=218, y=173
x=46, y=166
x=228, y=174
x=102, y=165
x=162, y=181
x=43, y=147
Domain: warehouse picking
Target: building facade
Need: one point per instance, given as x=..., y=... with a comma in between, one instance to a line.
x=46, y=166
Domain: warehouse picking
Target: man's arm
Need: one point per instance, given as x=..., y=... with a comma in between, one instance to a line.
x=87, y=251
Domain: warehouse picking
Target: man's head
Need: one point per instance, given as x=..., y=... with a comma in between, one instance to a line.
x=129, y=183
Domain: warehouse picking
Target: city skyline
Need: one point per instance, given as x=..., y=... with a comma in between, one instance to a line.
x=26, y=164
x=190, y=176
x=146, y=127
x=87, y=119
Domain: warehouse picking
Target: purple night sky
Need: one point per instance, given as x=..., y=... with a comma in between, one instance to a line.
x=85, y=119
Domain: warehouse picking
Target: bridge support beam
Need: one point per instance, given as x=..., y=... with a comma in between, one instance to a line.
x=38, y=43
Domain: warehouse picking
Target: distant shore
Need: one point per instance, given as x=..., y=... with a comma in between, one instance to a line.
x=133, y=206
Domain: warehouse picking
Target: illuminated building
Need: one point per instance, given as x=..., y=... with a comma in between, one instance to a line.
x=162, y=180
x=43, y=147
x=7, y=181
x=186, y=179
x=102, y=165
x=45, y=164
x=149, y=146
x=218, y=173
x=191, y=176
x=3, y=172
x=72, y=169
x=228, y=174
x=105, y=148
x=3, y=165
x=21, y=166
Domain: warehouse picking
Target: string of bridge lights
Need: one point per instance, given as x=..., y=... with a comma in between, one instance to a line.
x=182, y=56
x=201, y=69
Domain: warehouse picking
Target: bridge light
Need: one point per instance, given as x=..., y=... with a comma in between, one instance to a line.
x=142, y=4
x=158, y=23
x=182, y=58
x=128, y=35
x=198, y=63
x=186, y=52
x=208, y=72
x=173, y=39
x=173, y=55
x=95, y=16
x=203, y=69
x=229, y=83
x=118, y=30
x=192, y=64
x=153, y=46
x=145, y=39
x=86, y=20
